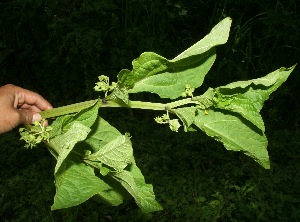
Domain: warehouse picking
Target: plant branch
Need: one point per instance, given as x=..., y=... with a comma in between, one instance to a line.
x=73, y=108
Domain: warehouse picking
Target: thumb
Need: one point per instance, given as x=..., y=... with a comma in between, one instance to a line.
x=27, y=116
x=36, y=117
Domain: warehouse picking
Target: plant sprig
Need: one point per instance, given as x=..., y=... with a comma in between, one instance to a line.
x=230, y=114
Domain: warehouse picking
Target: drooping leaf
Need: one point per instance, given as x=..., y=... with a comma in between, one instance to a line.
x=247, y=97
x=133, y=181
x=236, y=133
x=116, y=153
x=75, y=183
x=64, y=143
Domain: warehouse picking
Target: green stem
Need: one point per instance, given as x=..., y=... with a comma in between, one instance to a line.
x=63, y=110
x=73, y=108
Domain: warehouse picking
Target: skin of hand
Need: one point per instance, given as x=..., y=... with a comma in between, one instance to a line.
x=19, y=106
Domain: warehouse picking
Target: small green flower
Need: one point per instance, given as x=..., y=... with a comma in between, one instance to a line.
x=162, y=119
x=174, y=125
x=188, y=91
x=165, y=119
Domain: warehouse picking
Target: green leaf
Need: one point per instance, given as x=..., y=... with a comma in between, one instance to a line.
x=186, y=115
x=168, y=78
x=76, y=183
x=236, y=134
x=133, y=181
x=247, y=97
x=172, y=82
x=64, y=143
x=116, y=154
x=218, y=35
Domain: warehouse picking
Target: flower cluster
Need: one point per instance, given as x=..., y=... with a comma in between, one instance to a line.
x=188, y=91
x=103, y=85
x=165, y=119
x=35, y=134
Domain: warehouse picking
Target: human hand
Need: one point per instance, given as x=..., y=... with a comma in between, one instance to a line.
x=19, y=106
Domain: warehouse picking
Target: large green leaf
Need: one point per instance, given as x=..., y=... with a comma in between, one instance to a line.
x=236, y=134
x=247, y=97
x=75, y=183
x=168, y=78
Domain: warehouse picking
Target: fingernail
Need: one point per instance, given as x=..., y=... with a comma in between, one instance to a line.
x=36, y=117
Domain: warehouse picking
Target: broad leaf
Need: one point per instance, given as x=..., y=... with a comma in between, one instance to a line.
x=115, y=150
x=247, y=97
x=235, y=133
x=168, y=78
x=76, y=183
